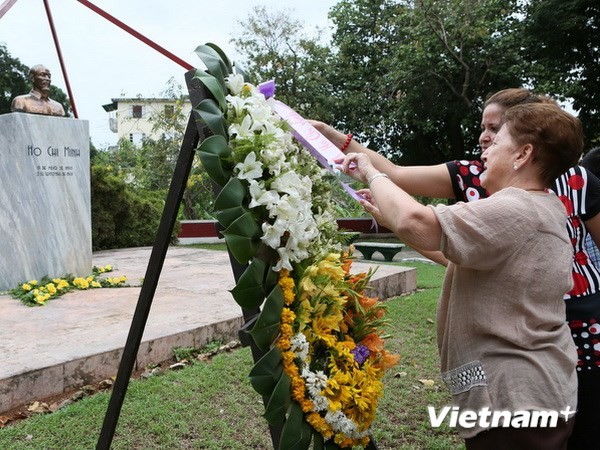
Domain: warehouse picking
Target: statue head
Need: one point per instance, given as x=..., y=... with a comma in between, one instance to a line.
x=38, y=100
x=40, y=77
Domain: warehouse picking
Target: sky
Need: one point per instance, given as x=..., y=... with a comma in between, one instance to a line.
x=104, y=62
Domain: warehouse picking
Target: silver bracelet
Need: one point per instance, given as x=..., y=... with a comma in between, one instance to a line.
x=377, y=175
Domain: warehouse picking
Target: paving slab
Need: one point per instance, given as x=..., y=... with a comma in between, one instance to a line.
x=78, y=338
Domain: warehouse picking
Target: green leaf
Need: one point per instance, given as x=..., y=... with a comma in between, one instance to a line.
x=212, y=116
x=227, y=216
x=232, y=194
x=212, y=151
x=296, y=433
x=228, y=202
x=318, y=443
x=266, y=372
x=222, y=54
x=242, y=237
x=279, y=402
x=214, y=64
x=249, y=292
x=213, y=86
x=242, y=72
x=267, y=325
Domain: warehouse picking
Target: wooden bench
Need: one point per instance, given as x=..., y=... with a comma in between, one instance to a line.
x=387, y=250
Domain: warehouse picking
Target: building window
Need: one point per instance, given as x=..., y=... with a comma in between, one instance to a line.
x=137, y=138
x=136, y=111
x=169, y=111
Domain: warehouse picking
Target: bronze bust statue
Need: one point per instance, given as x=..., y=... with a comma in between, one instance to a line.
x=37, y=101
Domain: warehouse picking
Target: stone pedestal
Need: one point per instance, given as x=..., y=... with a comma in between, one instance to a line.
x=45, y=207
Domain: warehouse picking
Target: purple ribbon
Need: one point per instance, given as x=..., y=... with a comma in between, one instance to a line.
x=318, y=145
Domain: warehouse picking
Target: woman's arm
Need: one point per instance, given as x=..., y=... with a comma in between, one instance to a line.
x=435, y=255
x=415, y=224
x=428, y=181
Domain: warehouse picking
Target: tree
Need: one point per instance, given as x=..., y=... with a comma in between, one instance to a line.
x=568, y=51
x=415, y=73
x=274, y=47
x=14, y=80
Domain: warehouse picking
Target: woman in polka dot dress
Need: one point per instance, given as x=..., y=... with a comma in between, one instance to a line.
x=579, y=191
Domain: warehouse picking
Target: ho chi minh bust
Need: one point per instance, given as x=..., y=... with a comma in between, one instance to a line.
x=37, y=101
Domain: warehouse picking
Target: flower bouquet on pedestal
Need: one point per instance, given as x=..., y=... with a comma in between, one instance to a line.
x=322, y=337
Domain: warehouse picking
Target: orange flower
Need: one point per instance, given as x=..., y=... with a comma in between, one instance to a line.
x=357, y=277
x=346, y=264
x=367, y=302
x=387, y=360
x=373, y=342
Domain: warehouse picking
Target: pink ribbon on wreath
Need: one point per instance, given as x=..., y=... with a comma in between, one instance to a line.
x=318, y=145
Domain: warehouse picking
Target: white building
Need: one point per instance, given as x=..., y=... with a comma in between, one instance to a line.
x=132, y=118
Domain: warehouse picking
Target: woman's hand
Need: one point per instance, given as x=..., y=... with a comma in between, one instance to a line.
x=368, y=202
x=358, y=166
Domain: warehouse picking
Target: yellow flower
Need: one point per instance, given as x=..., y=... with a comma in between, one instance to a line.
x=33, y=282
x=331, y=267
x=51, y=288
x=286, y=331
x=41, y=298
x=26, y=287
x=95, y=284
x=287, y=286
x=81, y=283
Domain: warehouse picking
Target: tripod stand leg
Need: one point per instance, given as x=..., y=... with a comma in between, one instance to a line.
x=157, y=258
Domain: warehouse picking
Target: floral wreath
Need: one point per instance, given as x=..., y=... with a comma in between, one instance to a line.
x=324, y=349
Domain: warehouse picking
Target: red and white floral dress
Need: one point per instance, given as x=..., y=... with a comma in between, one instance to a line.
x=579, y=192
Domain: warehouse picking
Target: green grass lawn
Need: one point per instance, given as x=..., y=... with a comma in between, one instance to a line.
x=211, y=405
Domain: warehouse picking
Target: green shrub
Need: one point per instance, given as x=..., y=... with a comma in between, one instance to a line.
x=122, y=216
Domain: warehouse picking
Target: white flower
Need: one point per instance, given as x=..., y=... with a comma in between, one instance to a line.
x=260, y=196
x=284, y=260
x=250, y=168
x=235, y=83
x=241, y=130
x=299, y=345
x=291, y=183
x=272, y=234
x=262, y=115
x=237, y=104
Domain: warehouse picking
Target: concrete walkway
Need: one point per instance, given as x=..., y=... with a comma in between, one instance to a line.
x=78, y=338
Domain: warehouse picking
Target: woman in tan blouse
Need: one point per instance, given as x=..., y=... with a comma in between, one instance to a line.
x=504, y=345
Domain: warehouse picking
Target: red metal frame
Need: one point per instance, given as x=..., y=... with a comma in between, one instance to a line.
x=9, y=3
x=60, y=58
x=6, y=6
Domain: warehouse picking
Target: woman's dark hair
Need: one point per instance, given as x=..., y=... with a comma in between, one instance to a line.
x=591, y=161
x=508, y=98
x=556, y=136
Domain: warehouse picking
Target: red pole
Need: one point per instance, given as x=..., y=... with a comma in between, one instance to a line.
x=134, y=33
x=6, y=6
x=60, y=58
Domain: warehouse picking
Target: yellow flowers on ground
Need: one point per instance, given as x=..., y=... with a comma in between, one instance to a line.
x=34, y=293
